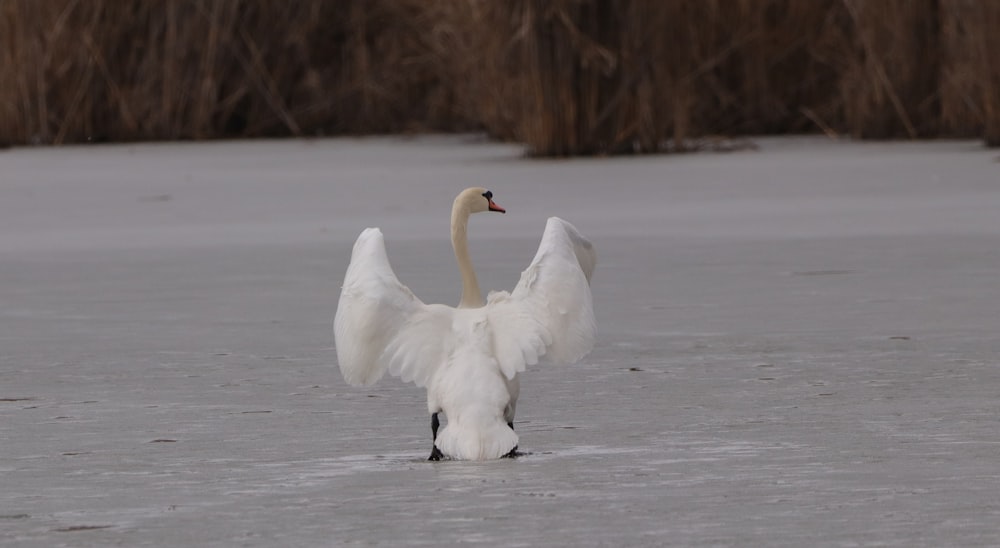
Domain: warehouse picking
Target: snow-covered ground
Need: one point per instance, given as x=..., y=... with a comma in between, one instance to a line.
x=800, y=346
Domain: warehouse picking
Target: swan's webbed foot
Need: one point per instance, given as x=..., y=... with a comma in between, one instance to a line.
x=513, y=452
x=435, y=452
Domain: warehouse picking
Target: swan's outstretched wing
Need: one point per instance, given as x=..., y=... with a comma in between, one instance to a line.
x=380, y=325
x=550, y=312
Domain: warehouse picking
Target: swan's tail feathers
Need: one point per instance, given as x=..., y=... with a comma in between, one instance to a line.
x=476, y=441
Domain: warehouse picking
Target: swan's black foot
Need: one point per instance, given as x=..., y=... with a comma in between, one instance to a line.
x=513, y=452
x=436, y=453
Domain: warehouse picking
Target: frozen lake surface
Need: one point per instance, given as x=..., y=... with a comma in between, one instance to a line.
x=799, y=346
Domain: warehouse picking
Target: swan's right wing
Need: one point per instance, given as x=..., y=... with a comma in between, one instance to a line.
x=380, y=325
x=551, y=311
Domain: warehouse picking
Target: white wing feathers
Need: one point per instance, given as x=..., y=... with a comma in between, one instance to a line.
x=381, y=326
x=550, y=311
x=582, y=248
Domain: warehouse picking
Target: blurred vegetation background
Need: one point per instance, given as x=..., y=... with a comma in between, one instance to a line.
x=564, y=77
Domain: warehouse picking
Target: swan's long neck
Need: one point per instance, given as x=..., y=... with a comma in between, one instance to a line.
x=471, y=297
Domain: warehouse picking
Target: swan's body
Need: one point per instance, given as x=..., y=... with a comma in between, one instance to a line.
x=467, y=357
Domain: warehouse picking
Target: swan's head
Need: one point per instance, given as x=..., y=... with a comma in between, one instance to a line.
x=477, y=200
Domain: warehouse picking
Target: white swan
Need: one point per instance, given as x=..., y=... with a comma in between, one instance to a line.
x=467, y=357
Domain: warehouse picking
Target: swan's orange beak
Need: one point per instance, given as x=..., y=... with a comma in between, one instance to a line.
x=494, y=207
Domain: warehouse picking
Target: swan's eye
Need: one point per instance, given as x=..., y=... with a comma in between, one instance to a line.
x=488, y=195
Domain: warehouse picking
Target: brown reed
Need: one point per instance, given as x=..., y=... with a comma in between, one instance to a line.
x=970, y=88
x=99, y=70
x=565, y=77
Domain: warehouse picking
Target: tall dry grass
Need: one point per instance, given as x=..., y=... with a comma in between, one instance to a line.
x=76, y=70
x=648, y=75
x=642, y=76
x=563, y=76
x=970, y=88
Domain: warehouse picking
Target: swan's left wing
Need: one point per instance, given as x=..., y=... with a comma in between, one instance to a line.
x=381, y=325
x=551, y=311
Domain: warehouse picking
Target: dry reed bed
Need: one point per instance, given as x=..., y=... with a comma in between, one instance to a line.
x=75, y=70
x=563, y=76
